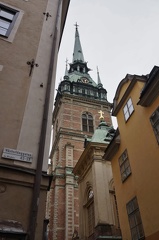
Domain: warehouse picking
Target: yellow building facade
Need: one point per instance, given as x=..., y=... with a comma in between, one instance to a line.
x=134, y=154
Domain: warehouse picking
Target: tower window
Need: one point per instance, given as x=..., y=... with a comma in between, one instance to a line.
x=87, y=122
x=81, y=69
x=7, y=20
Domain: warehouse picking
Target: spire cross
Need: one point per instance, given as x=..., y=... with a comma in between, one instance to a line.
x=101, y=115
x=66, y=61
x=76, y=25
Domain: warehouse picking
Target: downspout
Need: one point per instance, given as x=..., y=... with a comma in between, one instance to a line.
x=38, y=175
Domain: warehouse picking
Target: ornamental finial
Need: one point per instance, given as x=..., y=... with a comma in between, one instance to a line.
x=101, y=115
x=76, y=25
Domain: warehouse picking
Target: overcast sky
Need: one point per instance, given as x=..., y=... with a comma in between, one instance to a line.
x=118, y=36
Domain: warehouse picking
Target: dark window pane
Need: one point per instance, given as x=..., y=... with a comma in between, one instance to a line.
x=87, y=122
x=124, y=165
x=132, y=221
x=140, y=231
x=90, y=129
x=135, y=219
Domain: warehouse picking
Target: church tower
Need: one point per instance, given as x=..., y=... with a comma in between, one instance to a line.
x=76, y=115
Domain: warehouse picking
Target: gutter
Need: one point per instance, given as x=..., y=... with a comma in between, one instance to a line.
x=38, y=175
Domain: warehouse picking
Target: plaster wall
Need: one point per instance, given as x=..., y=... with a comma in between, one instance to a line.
x=138, y=138
x=22, y=98
x=102, y=175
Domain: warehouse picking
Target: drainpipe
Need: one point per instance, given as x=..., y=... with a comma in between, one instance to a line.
x=38, y=175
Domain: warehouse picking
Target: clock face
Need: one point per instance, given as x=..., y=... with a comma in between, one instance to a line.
x=84, y=80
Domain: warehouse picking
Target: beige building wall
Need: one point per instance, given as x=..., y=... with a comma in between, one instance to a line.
x=23, y=110
x=26, y=102
x=95, y=174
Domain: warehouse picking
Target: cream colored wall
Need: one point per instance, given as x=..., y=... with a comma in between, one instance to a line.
x=31, y=126
x=138, y=138
x=83, y=225
x=98, y=177
x=101, y=177
x=22, y=98
x=15, y=80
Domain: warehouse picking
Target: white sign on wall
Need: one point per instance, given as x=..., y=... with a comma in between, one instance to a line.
x=17, y=155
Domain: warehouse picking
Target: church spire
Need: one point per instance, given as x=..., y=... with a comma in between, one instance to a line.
x=77, y=53
x=98, y=78
x=66, y=71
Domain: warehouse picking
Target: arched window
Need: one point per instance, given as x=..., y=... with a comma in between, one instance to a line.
x=114, y=203
x=90, y=209
x=87, y=122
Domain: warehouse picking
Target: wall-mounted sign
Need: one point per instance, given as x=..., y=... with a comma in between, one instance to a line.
x=17, y=155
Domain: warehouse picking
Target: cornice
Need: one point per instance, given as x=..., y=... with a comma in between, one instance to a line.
x=66, y=132
x=150, y=92
x=86, y=99
x=117, y=106
x=89, y=155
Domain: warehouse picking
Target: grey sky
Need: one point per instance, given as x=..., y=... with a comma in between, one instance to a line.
x=118, y=36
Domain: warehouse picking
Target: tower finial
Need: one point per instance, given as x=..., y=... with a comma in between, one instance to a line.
x=76, y=25
x=98, y=78
x=66, y=70
x=66, y=62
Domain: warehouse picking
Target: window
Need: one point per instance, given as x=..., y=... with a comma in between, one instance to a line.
x=114, y=203
x=135, y=222
x=128, y=109
x=124, y=166
x=7, y=19
x=90, y=209
x=155, y=123
x=87, y=122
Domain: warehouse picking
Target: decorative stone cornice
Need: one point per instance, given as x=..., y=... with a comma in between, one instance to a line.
x=133, y=79
x=66, y=132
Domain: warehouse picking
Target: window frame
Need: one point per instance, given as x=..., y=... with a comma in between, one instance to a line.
x=124, y=165
x=128, y=108
x=135, y=221
x=87, y=122
x=155, y=123
x=11, y=22
x=90, y=212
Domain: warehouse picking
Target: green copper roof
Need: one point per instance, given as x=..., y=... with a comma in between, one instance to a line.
x=77, y=80
x=103, y=134
x=77, y=53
